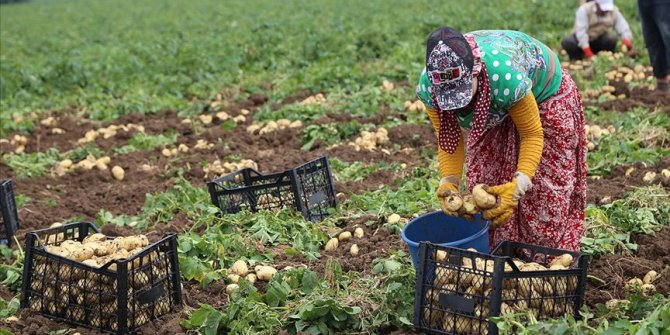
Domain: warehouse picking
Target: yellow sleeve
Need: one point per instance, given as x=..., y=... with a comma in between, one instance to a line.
x=526, y=116
x=449, y=164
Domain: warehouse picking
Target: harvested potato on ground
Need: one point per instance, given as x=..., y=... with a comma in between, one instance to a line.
x=232, y=287
x=239, y=268
x=393, y=218
x=251, y=278
x=234, y=278
x=483, y=199
x=650, y=277
x=648, y=289
x=332, y=244
x=265, y=273
x=344, y=236
x=353, y=250
x=118, y=173
x=359, y=233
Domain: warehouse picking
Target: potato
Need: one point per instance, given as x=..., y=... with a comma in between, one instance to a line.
x=393, y=218
x=648, y=289
x=57, y=250
x=441, y=255
x=649, y=177
x=161, y=307
x=234, y=278
x=483, y=199
x=251, y=278
x=239, y=268
x=565, y=260
x=332, y=244
x=453, y=202
x=359, y=233
x=118, y=173
x=131, y=242
x=103, y=248
x=650, y=277
x=232, y=287
x=469, y=205
x=634, y=283
x=344, y=236
x=665, y=173
x=265, y=273
x=83, y=253
x=139, y=279
x=353, y=250
x=97, y=237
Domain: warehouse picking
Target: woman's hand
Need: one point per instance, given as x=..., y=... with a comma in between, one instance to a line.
x=502, y=213
x=448, y=186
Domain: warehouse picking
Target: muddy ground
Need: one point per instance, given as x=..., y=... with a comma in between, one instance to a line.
x=85, y=193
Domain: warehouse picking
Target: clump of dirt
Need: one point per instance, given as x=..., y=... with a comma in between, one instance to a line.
x=615, y=270
x=617, y=184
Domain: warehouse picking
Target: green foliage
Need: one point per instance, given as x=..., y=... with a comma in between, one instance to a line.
x=331, y=133
x=11, y=268
x=323, y=316
x=34, y=164
x=412, y=196
x=142, y=141
x=9, y=308
x=205, y=320
x=357, y=171
x=113, y=67
x=80, y=153
x=608, y=227
x=639, y=316
x=640, y=136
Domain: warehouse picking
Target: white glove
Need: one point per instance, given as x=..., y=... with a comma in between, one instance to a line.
x=523, y=184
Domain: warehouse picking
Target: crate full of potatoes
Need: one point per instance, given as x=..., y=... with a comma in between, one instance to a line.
x=457, y=289
x=73, y=273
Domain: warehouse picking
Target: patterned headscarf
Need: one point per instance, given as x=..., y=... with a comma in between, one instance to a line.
x=450, y=131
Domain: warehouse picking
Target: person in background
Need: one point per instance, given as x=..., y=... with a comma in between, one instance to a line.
x=655, y=17
x=501, y=104
x=593, y=23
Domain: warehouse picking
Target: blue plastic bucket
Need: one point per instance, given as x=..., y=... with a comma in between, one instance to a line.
x=439, y=228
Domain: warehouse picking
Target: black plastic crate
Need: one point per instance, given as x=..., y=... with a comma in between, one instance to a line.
x=119, y=297
x=457, y=290
x=9, y=219
x=307, y=188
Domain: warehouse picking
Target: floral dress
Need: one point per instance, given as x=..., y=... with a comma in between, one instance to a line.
x=513, y=65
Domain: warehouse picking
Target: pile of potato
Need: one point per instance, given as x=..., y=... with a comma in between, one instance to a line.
x=19, y=143
x=469, y=205
x=108, y=132
x=85, y=296
x=313, y=100
x=370, y=140
x=273, y=126
x=174, y=151
x=387, y=85
x=240, y=269
x=334, y=242
x=52, y=122
x=606, y=91
x=594, y=133
x=67, y=165
x=217, y=168
x=541, y=296
x=416, y=106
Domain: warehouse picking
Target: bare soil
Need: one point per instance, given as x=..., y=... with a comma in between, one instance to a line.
x=616, y=270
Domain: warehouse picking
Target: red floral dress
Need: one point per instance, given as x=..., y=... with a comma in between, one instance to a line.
x=552, y=212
